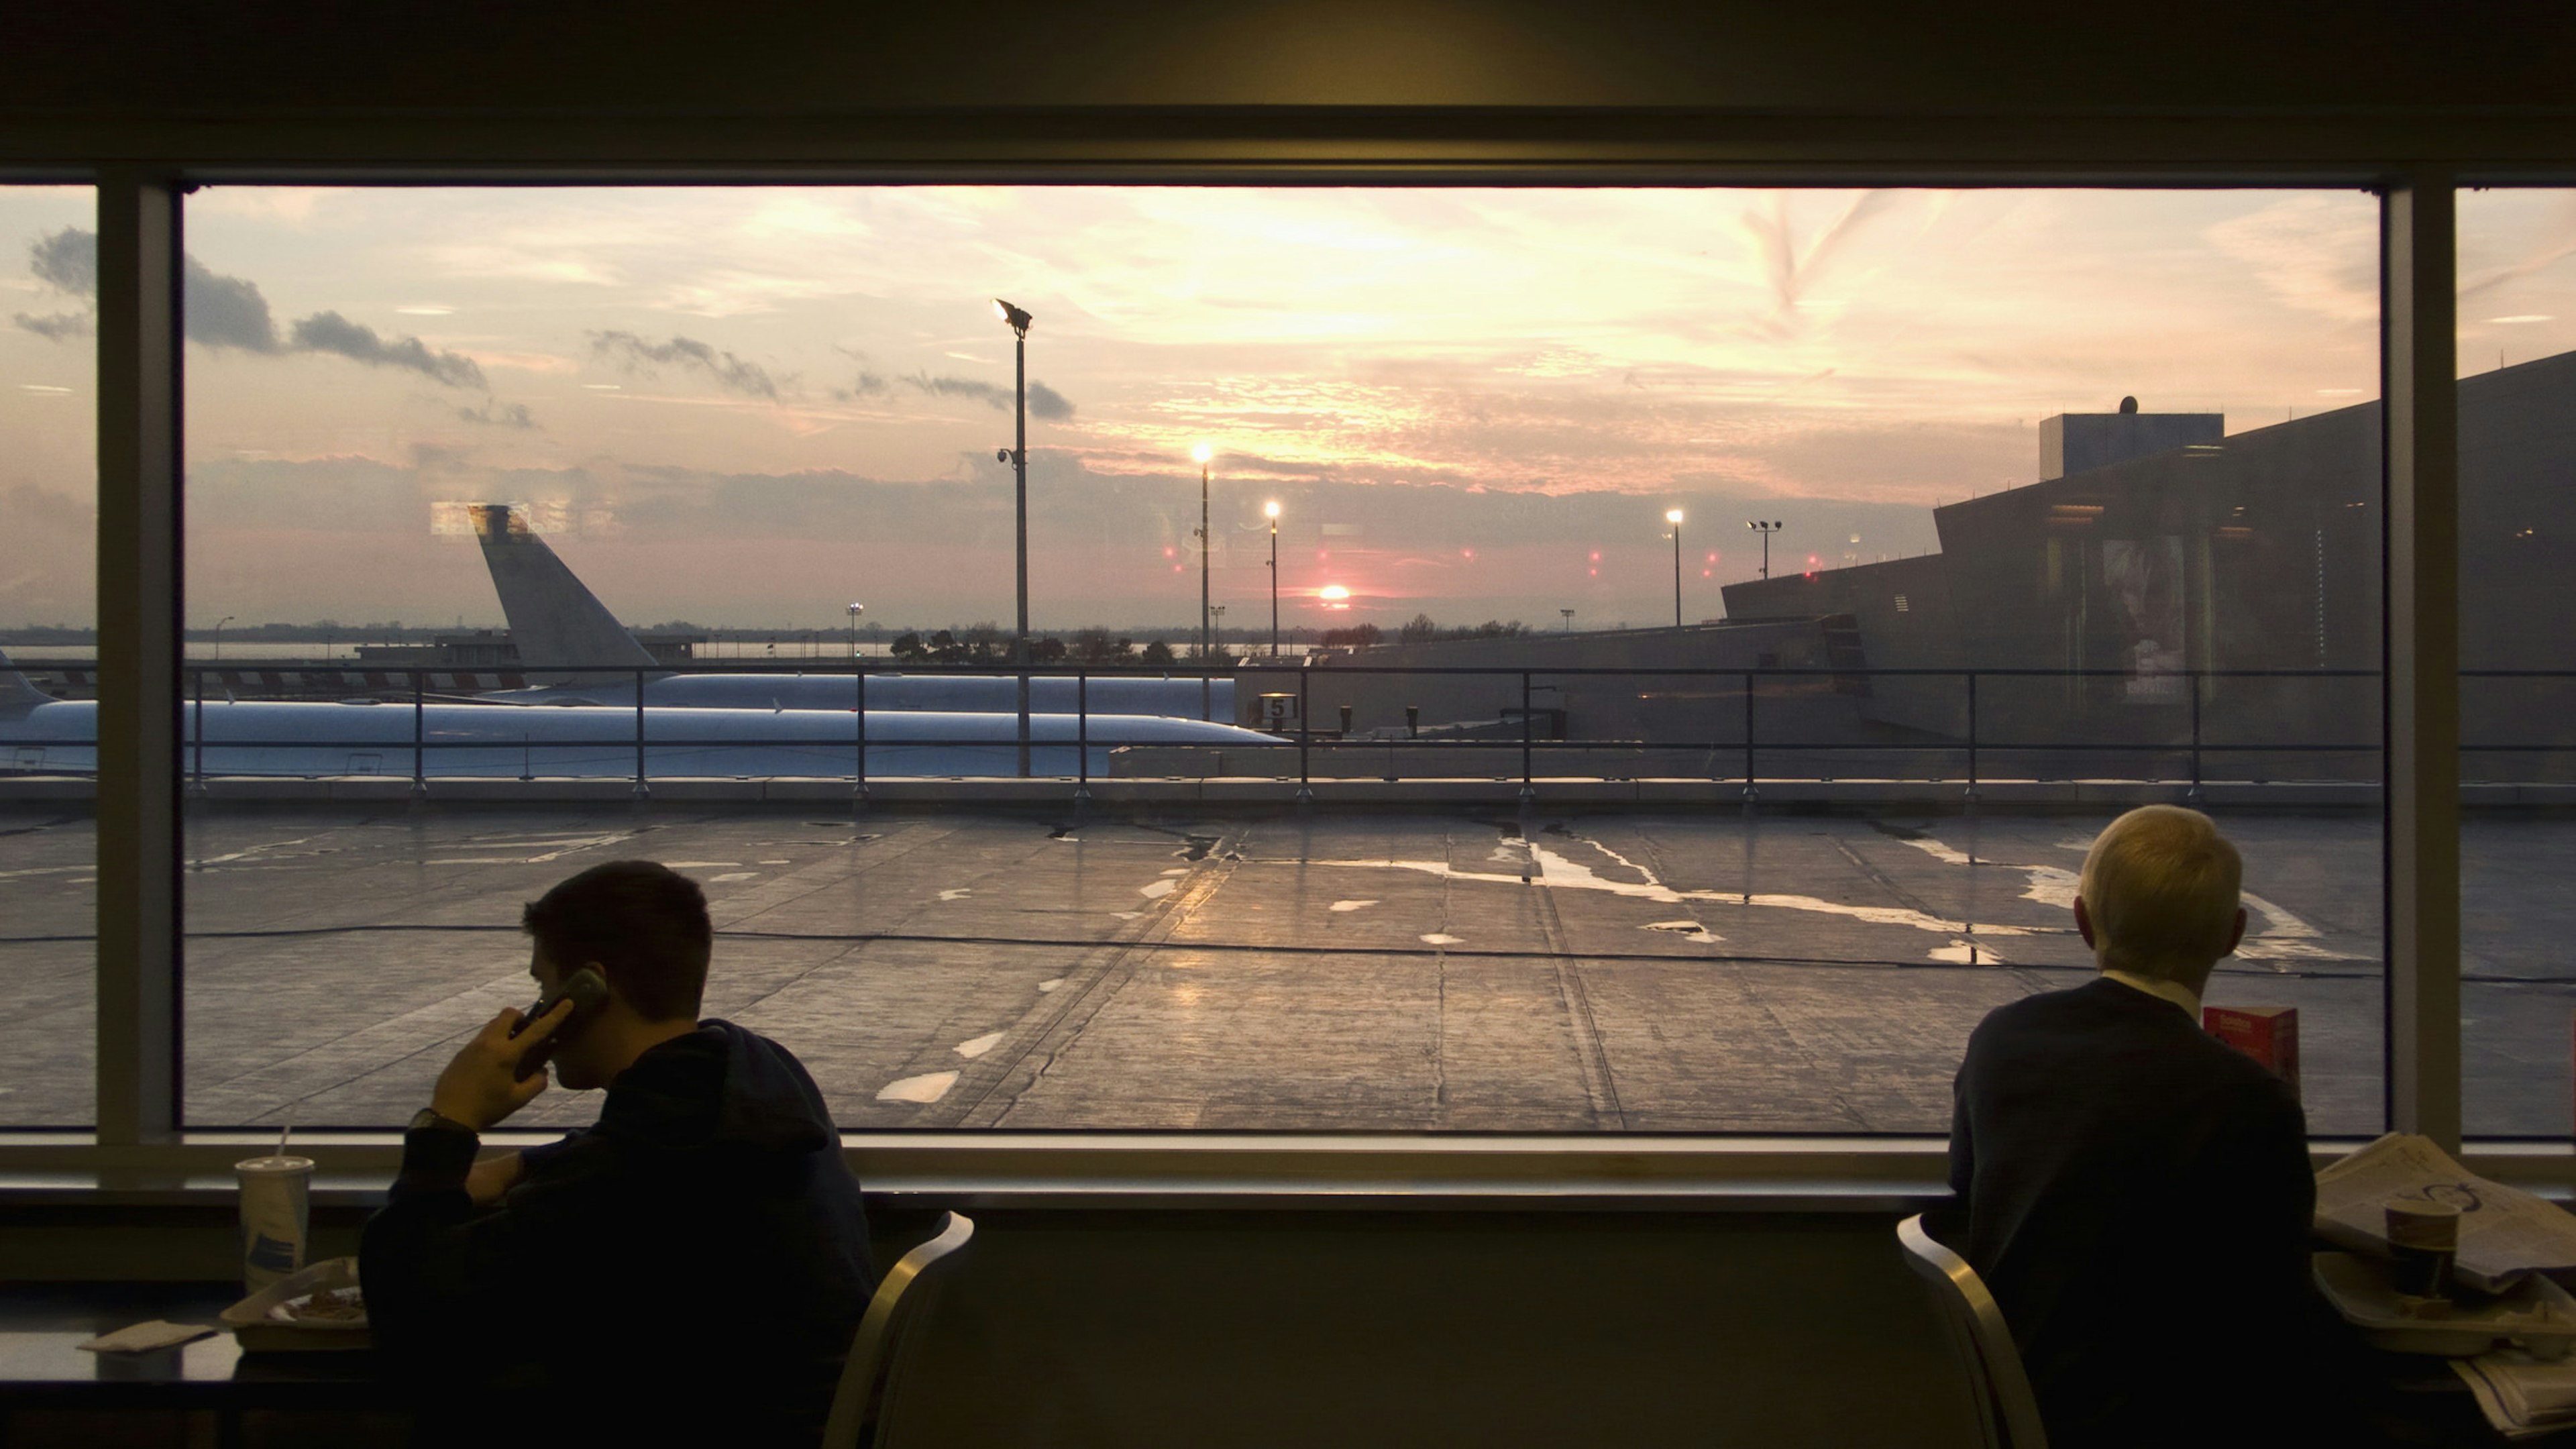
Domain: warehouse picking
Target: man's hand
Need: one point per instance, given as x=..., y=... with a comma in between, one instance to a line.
x=493, y=1176
x=481, y=1086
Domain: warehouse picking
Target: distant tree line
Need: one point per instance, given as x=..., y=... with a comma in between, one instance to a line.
x=1421, y=629
x=985, y=643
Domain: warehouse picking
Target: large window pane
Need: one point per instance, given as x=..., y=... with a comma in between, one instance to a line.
x=2518, y=662
x=48, y=610
x=732, y=413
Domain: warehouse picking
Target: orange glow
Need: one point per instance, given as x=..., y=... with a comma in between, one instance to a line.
x=1334, y=591
x=1466, y=553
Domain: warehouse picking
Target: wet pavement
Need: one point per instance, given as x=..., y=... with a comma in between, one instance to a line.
x=1351, y=972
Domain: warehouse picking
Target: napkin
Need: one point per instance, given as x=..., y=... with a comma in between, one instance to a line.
x=2520, y=1395
x=144, y=1337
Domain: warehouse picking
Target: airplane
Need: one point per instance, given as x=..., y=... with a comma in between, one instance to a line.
x=43, y=735
x=558, y=623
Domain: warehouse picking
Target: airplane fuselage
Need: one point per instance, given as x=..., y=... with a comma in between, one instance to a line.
x=598, y=741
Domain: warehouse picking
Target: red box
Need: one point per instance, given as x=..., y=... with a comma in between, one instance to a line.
x=2268, y=1034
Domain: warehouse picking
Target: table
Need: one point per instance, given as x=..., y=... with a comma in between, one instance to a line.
x=43, y=1368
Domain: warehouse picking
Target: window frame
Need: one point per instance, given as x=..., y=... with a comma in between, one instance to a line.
x=138, y=1146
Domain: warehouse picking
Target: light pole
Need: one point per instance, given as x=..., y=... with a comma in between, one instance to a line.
x=1272, y=509
x=1569, y=619
x=1766, y=530
x=1018, y=458
x=855, y=611
x=1673, y=516
x=1203, y=453
x=219, y=634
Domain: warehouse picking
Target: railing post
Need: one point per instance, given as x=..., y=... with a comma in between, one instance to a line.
x=1082, y=735
x=1305, y=735
x=1752, y=792
x=642, y=791
x=2194, y=796
x=1972, y=735
x=198, y=731
x=859, y=675
x=1529, y=790
x=419, y=733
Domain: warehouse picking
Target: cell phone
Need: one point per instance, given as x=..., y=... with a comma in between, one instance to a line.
x=587, y=991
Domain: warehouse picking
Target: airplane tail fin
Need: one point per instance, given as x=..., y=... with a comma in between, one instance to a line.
x=554, y=619
x=17, y=695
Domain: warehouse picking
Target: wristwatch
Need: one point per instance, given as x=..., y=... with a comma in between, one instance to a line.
x=430, y=1119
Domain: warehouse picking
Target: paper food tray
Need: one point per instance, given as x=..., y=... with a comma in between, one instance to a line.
x=2358, y=1289
x=258, y=1333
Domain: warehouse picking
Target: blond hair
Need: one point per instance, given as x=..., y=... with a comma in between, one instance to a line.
x=2160, y=886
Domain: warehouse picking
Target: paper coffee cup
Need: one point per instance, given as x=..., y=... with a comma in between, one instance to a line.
x=2423, y=1240
x=276, y=1216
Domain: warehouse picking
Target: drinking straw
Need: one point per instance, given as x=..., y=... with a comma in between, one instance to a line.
x=282, y=1134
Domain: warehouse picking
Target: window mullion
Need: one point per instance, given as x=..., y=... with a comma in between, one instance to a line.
x=2420, y=456
x=139, y=599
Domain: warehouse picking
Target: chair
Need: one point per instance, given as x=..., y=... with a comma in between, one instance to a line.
x=2007, y=1413
x=866, y=1375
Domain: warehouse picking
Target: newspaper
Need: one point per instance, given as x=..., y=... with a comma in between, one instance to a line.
x=2506, y=1234
x=2521, y=1396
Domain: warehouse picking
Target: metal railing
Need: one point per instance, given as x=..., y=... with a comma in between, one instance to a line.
x=2188, y=744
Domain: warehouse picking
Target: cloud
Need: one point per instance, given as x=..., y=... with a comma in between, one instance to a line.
x=223, y=311
x=866, y=384
x=56, y=326
x=498, y=415
x=226, y=311
x=728, y=371
x=330, y=332
x=1044, y=401
x=67, y=261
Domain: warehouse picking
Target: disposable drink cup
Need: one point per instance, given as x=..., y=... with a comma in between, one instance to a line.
x=276, y=1215
x=2423, y=1239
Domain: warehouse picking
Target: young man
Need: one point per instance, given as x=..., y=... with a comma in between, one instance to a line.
x=2138, y=1194
x=694, y=1263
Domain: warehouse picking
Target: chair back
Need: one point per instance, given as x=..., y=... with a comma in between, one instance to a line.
x=2007, y=1412
x=899, y=1299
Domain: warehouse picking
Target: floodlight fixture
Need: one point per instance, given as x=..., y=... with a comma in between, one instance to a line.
x=1018, y=319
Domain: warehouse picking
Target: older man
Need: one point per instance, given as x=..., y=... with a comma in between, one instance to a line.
x=2138, y=1194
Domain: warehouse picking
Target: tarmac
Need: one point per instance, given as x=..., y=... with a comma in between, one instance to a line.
x=1337, y=970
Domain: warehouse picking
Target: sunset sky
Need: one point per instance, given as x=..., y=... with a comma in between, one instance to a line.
x=749, y=406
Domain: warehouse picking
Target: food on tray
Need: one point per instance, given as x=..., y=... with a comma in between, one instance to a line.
x=330, y=1306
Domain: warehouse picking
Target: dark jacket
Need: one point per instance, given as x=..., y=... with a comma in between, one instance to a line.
x=697, y=1257
x=2139, y=1202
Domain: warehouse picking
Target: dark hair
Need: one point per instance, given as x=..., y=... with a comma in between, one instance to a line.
x=643, y=921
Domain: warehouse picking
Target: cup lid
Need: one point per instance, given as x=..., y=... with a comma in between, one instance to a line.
x=274, y=1165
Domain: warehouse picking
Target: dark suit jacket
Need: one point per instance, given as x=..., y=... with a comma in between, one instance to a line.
x=2139, y=1202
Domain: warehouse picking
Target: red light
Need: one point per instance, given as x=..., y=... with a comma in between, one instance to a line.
x=1703, y=573
x=1712, y=558
x=1466, y=553
x=1596, y=573
x=1596, y=555
x=1170, y=553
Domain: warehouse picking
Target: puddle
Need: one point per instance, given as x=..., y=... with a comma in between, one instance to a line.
x=1050, y=985
x=1442, y=938
x=1352, y=905
x=956, y=895
x=970, y=1050
x=1178, y=870
x=1966, y=953
x=1687, y=930
x=926, y=1088
x=1157, y=890
x=733, y=875
x=1128, y=915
